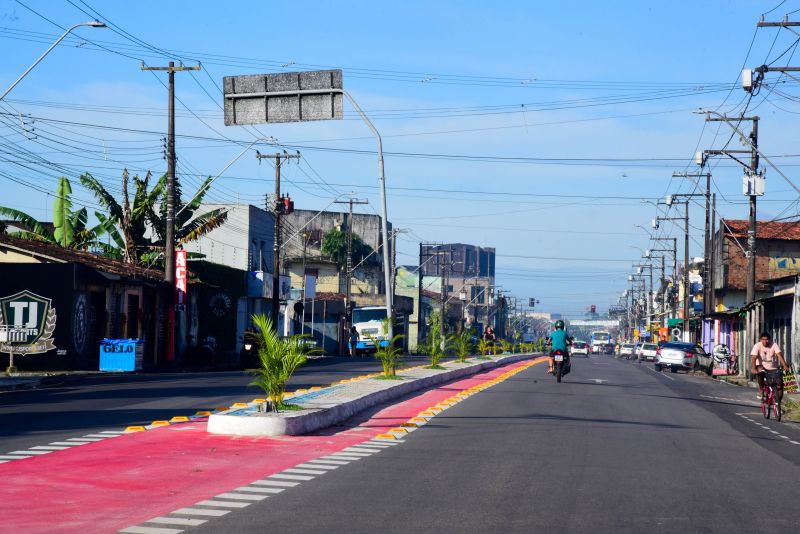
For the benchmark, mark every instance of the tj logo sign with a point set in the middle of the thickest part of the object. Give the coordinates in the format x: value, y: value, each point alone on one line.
x: 27, y: 324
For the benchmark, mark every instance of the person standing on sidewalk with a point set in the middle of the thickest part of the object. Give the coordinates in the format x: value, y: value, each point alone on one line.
x: 765, y: 358
x: 354, y: 341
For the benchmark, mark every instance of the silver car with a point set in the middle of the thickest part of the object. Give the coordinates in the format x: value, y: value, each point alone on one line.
x: 647, y: 352
x: 681, y: 355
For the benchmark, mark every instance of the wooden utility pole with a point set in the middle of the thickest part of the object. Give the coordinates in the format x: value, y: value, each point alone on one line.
x: 279, y: 157
x: 169, y: 238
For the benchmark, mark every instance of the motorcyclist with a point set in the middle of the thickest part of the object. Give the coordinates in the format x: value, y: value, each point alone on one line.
x: 558, y: 341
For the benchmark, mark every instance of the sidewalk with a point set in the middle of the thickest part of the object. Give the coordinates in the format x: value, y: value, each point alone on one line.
x: 11, y: 383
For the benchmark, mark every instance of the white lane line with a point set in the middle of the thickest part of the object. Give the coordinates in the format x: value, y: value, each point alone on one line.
x: 29, y: 452
x: 774, y: 432
x: 329, y: 462
x: 278, y: 483
x: 260, y: 489
x: 793, y: 442
x: 659, y: 373
x: 304, y: 471
x: 182, y: 521
x: 281, y: 476
x: 784, y: 437
x: 200, y: 511
x: 316, y: 466
x: 223, y: 504
x: 151, y: 530
x: 49, y: 448
x: 68, y: 443
x: 241, y: 496
x: 10, y: 457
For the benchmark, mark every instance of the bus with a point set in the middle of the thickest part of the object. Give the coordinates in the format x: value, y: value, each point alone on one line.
x: 599, y: 339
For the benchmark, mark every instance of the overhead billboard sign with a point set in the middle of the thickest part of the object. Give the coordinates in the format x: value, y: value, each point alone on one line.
x: 283, y: 97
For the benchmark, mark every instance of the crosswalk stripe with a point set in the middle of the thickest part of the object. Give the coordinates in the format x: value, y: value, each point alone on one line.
x: 259, y: 489
x: 241, y: 496
x: 50, y: 448
x: 329, y: 462
x: 279, y: 483
x: 374, y: 445
x: 200, y: 511
x: 150, y: 530
x: 359, y: 450
x: 183, y: 521
x: 67, y: 443
x: 112, y: 432
x: 223, y: 504
x: 291, y: 477
x: 101, y: 436
x: 30, y: 452
x: 305, y: 471
x: 316, y: 466
x: 339, y: 456
x: 360, y: 454
x: 85, y: 440
x: 10, y: 457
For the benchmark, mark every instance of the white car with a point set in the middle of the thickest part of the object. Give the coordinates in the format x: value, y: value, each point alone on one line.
x: 580, y: 347
x: 686, y: 356
x: 647, y: 352
x: 626, y: 350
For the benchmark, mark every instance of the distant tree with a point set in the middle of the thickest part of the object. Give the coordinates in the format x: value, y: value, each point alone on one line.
x: 334, y: 245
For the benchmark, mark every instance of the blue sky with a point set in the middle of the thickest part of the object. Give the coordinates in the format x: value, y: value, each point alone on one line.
x: 534, y: 127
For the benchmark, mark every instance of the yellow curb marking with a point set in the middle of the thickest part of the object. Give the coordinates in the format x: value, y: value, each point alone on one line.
x: 386, y: 436
x: 203, y: 412
x: 159, y: 423
x: 135, y: 429
x: 179, y: 419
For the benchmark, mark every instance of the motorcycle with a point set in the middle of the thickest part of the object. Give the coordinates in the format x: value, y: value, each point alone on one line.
x: 562, y: 364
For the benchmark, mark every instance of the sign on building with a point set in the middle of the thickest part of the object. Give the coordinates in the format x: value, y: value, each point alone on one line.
x: 283, y: 97
x: 27, y: 324
x: 180, y: 280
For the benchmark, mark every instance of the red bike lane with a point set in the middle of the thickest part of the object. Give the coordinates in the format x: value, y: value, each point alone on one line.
x: 111, y: 484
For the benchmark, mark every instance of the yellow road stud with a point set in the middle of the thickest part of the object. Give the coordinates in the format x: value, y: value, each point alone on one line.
x: 409, y: 425
x: 179, y: 419
x: 386, y: 436
x: 418, y: 420
x: 136, y: 428
x: 203, y: 412
x: 398, y: 430
x: 159, y: 423
x: 239, y: 405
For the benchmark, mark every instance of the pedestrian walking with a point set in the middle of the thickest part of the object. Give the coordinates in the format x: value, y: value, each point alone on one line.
x: 353, y: 341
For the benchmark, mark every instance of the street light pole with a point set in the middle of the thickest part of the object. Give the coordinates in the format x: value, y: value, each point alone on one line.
x: 92, y: 23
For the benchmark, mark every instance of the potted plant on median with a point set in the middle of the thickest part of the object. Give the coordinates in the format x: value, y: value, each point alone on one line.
x: 278, y: 358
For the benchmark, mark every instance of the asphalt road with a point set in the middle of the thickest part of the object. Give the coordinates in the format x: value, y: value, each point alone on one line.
x: 615, y: 448
x: 74, y: 405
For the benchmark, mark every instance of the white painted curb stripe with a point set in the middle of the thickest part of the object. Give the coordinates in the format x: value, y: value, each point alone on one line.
x: 291, y: 477
x: 183, y: 521
x: 9, y: 457
x: 29, y: 452
x: 328, y: 462
x: 223, y: 504
x: 304, y: 471
x: 316, y: 466
x: 150, y: 530
x: 359, y: 450
x: 68, y: 443
x: 241, y: 496
x: 200, y: 511
x: 49, y: 448
x: 259, y: 489
x: 281, y: 483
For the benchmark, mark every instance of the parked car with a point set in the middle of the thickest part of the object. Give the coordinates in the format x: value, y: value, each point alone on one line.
x: 626, y: 350
x: 682, y: 355
x: 580, y: 347
x: 647, y: 352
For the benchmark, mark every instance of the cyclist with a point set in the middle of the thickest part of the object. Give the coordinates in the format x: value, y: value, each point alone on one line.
x: 765, y: 358
x: 558, y: 341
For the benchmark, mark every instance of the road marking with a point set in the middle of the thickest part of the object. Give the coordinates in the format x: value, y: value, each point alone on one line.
x: 183, y: 521
x: 304, y: 471
x: 85, y: 440
x: 280, y: 483
x: 331, y: 462
x: 241, y: 496
x: 49, y: 448
x: 29, y: 452
x: 150, y: 530
x: 66, y: 443
x: 660, y: 373
x: 260, y: 489
x: 316, y: 466
x: 223, y: 504
x: 377, y: 445
x: 358, y: 450
x: 10, y: 457
x: 291, y: 477
x: 356, y: 454
x: 793, y: 442
x: 101, y: 436
x: 112, y: 432
x: 200, y: 511
x: 340, y: 457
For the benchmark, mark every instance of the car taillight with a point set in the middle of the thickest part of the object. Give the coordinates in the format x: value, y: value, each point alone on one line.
x: 688, y: 355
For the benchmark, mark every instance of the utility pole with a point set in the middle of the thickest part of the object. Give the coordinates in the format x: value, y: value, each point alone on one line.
x: 707, y: 231
x: 349, y: 267
x: 752, y: 169
x: 686, y: 271
x: 169, y: 238
x: 713, y: 254
x: 280, y: 157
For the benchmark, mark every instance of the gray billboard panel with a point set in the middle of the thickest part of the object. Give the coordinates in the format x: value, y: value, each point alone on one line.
x: 283, y: 97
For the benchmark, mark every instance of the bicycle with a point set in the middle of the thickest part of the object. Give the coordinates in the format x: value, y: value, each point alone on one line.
x: 769, y: 400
